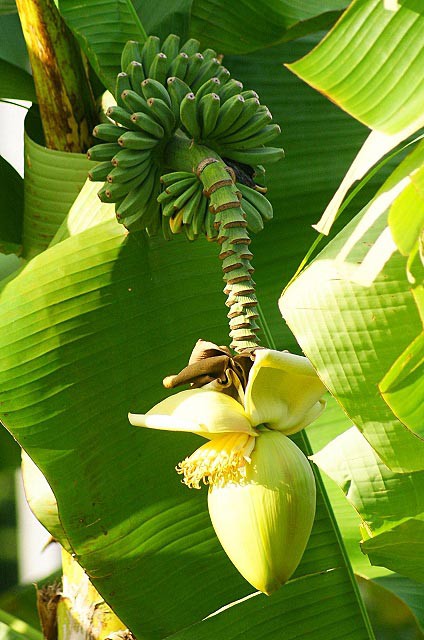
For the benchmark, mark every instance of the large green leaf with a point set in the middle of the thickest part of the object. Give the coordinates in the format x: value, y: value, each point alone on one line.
x: 411, y: 592
x: 12, y: 187
x: 99, y: 334
x: 162, y: 17
x: 353, y: 314
x: 246, y: 26
x: 390, y: 504
x: 102, y: 28
x: 52, y: 182
x: 369, y: 65
x: 12, y: 42
x: 16, y: 82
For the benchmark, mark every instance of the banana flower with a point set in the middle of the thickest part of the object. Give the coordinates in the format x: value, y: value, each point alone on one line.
x: 261, y: 488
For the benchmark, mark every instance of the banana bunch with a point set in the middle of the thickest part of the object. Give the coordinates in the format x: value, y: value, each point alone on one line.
x: 182, y: 152
x: 165, y: 92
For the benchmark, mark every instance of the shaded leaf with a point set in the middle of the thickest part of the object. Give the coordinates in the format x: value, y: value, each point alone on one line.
x: 341, y: 309
x: 16, y: 83
x: 12, y: 42
x: 102, y: 28
x: 162, y: 17
x: 246, y: 26
x: 411, y: 592
x: 12, y: 187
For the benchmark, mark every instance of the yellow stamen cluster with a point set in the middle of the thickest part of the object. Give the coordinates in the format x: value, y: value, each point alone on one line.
x: 222, y: 459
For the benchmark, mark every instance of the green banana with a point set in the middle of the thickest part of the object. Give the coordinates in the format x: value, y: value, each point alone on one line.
x: 181, y: 200
x: 209, y: 54
x: 171, y: 46
x: 121, y: 115
x: 257, y: 200
x: 188, y: 115
x: 263, y: 136
x: 191, y: 206
x: 150, y: 49
x: 254, y: 156
x: 153, y: 89
x: 253, y: 217
x: 211, y: 85
x: 135, y: 201
x: 99, y: 172
x: 223, y: 74
x: 177, y: 89
x: 163, y: 114
x: 179, y: 65
x: 256, y: 123
x: 107, y: 132
x: 206, y: 71
x: 191, y: 46
x: 249, y: 93
x: 116, y: 190
x: 159, y: 67
x: 249, y: 110
x: 123, y: 174
x: 101, y: 152
x: 177, y: 188
x: 175, y: 176
x: 136, y: 74
x: 134, y: 102
x: 129, y: 157
x: 194, y: 63
x: 198, y: 221
x: 230, y: 89
x: 228, y: 114
x: 130, y: 52
x: 137, y: 140
x: 123, y: 83
x: 208, y: 110
x: 148, y: 125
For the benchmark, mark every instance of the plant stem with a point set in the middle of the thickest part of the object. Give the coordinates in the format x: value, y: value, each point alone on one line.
x: 226, y: 206
x: 64, y: 93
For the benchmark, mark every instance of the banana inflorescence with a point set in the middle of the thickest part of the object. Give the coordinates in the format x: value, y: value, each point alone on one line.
x: 183, y: 151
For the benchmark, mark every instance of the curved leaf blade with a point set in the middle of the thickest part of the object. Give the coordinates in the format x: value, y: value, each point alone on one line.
x: 12, y: 187
x: 374, y: 74
x: 102, y: 28
x: 16, y: 83
x: 341, y: 310
x: 247, y: 26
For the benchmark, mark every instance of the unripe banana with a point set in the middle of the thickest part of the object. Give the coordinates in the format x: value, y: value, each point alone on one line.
x: 114, y: 191
x: 257, y: 200
x: 150, y: 49
x: 230, y: 89
x: 181, y: 200
x: 171, y: 46
x: 100, y: 172
x: 159, y: 67
x: 253, y: 126
x: 121, y: 115
x: 206, y: 71
x: 179, y: 187
x: 177, y: 89
x: 137, y: 140
x: 153, y: 89
x: 107, y: 132
x: 123, y: 83
x: 209, y: 107
x: 136, y: 74
x: 134, y: 102
x: 253, y: 217
x: 194, y: 63
x: 162, y: 114
x: 210, y: 86
x: 223, y: 74
x: 134, y: 204
x: 121, y: 174
x: 191, y: 46
x: 255, y: 156
x: 228, y: 114
x: 129, y: 157
x: 179, y: 66
x: 188, y: 115
x: 130, y: 52
x: 175, y: 176
x: 101, y: 152
x: 148, y: 125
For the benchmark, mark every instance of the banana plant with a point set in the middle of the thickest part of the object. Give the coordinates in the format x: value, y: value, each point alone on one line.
x: 145, y: 188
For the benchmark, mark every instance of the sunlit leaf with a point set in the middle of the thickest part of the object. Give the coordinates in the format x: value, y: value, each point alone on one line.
x: 341, y: 309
